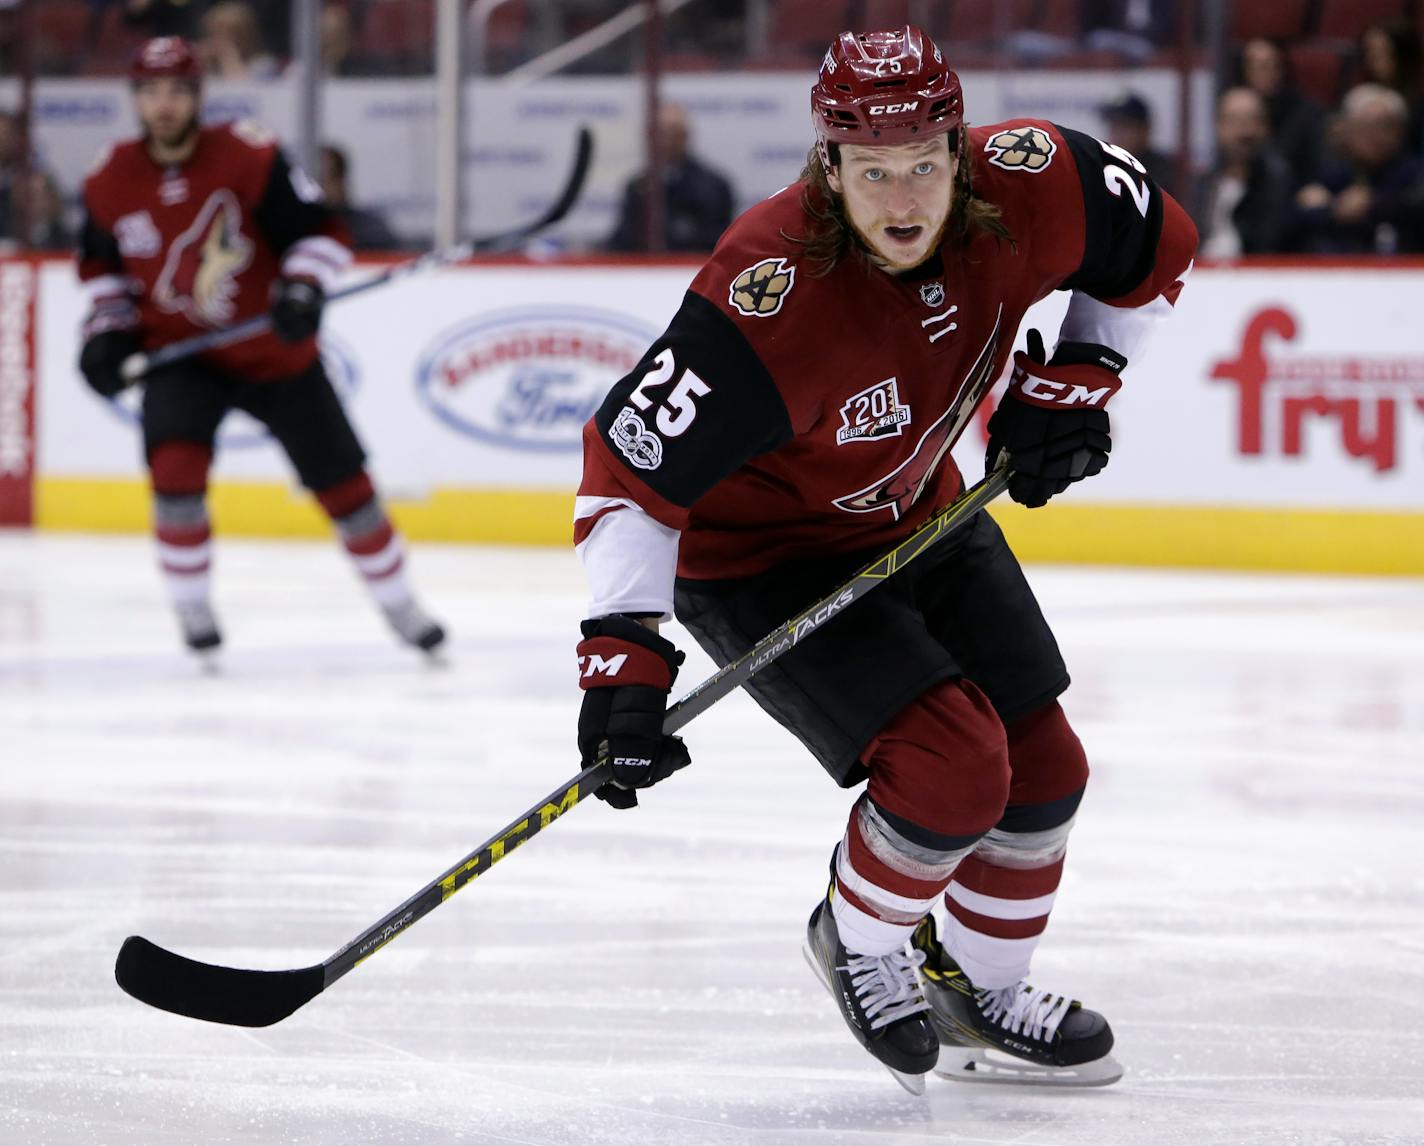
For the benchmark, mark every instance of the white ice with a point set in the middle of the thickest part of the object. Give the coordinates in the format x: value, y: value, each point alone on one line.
x: 1244, y: 897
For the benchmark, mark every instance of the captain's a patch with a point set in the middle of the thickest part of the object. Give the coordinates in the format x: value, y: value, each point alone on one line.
x: 1021, y: 149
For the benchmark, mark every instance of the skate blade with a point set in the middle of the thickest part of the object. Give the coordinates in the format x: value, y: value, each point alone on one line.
x: 976, y: 1064
x: 914, y: 1083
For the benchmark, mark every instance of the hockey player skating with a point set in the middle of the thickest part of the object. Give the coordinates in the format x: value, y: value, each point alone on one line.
x: 190, y: 228
x: 794, y: 420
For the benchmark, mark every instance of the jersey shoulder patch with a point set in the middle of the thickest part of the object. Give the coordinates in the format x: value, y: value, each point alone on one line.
x: 252, y: 133
x: 1025, y: 148
x: 760, y: 289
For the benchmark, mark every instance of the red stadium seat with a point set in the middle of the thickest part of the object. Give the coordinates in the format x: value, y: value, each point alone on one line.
x: 115, y: 45
x: 1346, y: 19
x: 1278, y: 20
x: 1317, y: 69
x: 810, y: 24
x: 61, y: 36
x: 985, y: 21
x: 882, y: 15
x: 1061, y: 18
x: 399, y: 35
x: 691, y: 62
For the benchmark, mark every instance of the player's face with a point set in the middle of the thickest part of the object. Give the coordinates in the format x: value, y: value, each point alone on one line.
x: 167, y: 108
x: 897, y: 198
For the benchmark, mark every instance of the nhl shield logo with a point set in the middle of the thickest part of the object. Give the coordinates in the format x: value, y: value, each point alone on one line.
x: 759, y: 291
x: 932, y: 294
x: 1021, y: 149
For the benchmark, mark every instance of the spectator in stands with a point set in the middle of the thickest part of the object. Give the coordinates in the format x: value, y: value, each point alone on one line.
x: 697, y: 201
x: 1131, y: 28
x: 1369, y: 200
x: 38, y: 201
x: 1297, y: 124
x: 369, y: 232
x: 11, y: 169
x: 1128, y: 121
x: 1393, y: 55
x: 1242, y: 204
x: 337, y: 40
x: 231, y: 43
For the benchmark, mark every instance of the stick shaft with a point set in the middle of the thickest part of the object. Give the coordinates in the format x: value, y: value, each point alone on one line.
x: 714, y: 688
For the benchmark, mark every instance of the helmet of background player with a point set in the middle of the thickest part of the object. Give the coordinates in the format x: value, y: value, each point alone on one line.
x: 880, y: 88
x: 166, y: 56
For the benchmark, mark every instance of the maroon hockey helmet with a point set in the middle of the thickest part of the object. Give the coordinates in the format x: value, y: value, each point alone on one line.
x: 884, y: 88
x: 164, y: 56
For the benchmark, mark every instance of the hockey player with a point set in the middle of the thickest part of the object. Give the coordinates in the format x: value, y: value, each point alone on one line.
x: 794, y: 421
x: 190, y: 228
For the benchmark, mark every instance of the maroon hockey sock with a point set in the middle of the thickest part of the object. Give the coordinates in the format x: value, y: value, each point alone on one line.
x: 369, y: 537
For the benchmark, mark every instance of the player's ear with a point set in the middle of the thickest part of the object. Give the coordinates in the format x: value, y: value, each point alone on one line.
x: 833, y: 180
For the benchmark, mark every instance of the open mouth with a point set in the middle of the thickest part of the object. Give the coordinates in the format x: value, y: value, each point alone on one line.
x: 904, y: 234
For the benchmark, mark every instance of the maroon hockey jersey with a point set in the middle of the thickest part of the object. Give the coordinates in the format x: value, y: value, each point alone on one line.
x: 783, y: 415
x: 178, y: 251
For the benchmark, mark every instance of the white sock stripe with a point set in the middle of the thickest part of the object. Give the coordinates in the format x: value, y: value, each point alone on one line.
x: 875, y: 895
x: 864, y: 934
x: 184, y: 588
x: 987, y: 960
x: 996, y: 908
x: 177, y: 557
x: 382, y: 562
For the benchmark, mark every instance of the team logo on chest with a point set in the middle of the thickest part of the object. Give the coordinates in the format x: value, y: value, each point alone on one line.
x: 199, y: 277
x: 1021, y: 149
x: 759, y: 291
x: 932, y: 294
x: 874, y: 413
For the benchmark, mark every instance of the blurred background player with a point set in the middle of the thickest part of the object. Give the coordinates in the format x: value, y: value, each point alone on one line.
x: 793, y: 422
x: 190, y: 228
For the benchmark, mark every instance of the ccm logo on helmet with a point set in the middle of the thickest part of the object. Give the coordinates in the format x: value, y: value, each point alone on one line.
x: 893, y: 108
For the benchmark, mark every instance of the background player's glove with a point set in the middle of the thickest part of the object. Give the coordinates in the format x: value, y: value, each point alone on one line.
x: 102, y: 357
x: 626, y: 671
x: 296, y: 308
x: 1051, y: 421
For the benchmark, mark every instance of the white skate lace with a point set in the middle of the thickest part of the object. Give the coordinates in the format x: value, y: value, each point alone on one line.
x: 887, y: 985
x: 1022, y: 1009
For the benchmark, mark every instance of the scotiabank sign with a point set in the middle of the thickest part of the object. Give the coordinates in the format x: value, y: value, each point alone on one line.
x: 1364, y: 400
x: 17, y: 404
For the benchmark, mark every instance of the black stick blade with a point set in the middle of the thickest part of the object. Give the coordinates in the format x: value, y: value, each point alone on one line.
x: 217, y: 994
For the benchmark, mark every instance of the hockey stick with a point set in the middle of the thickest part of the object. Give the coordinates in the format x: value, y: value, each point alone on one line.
x: 244, y: 998
x: 137, y: 365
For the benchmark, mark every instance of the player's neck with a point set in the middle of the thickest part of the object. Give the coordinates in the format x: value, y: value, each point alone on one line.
x: 174, y: 154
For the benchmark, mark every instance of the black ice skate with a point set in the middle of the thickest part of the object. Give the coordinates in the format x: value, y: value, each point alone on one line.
x: 1015, y: 1034
x: 880, y: 999
x: 415, y: 626
x: 200, y: 627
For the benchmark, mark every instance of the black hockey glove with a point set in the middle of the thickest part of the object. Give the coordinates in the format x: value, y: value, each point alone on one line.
x: 1051, y: 421
x: 103, y: 356
x: 626, y: 671
x: 296, y: 308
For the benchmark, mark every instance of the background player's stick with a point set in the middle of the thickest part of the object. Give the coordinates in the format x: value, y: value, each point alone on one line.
x: 184, y: 986
x: 137, y: 365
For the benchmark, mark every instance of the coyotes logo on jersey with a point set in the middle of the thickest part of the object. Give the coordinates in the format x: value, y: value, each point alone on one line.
x: 900, y: 489
x: 199, y: 277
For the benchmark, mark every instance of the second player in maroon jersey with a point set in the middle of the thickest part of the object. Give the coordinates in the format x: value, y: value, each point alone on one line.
x: 794, y: 421
x: 191, y: 228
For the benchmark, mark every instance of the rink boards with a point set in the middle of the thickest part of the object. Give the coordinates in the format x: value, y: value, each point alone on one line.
x: 1276, y: 422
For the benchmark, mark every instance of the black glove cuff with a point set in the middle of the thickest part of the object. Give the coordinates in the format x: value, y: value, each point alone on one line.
x: 1088, y: 354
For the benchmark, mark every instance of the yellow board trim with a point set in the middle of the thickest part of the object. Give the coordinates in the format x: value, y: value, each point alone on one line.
x: 1316, y: 541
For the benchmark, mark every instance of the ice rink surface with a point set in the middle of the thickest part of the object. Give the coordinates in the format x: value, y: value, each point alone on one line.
x: 1244, y: 895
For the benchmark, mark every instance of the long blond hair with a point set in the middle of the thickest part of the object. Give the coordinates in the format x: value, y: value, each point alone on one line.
x: 830, y: 237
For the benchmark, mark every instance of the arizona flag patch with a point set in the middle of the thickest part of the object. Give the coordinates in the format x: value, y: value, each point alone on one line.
x: 1021, y: 149
x: 759, y: 291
